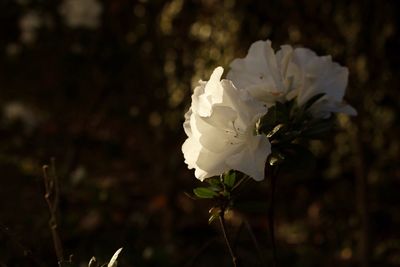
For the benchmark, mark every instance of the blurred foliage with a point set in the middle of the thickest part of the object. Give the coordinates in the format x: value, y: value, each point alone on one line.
x: 107, y: 99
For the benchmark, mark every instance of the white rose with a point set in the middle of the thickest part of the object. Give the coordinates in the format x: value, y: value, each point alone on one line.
x: 292, y: 73
x: 221, y: 129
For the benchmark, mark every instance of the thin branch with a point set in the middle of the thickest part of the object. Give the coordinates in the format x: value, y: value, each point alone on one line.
x: 51, y: 197
x: 237, y: 235
x: 228, y: 243
x: 255, y: 242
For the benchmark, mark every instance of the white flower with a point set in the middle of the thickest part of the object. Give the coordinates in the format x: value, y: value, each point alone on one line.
x: 221, y: 129
x: 81, y: 13
x: 292, y: 73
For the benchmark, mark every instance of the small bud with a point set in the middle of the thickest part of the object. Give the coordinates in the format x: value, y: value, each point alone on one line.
x: 92, y: 262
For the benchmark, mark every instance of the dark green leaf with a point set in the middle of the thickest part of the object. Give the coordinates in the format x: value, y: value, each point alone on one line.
x: 204, y: 192
x: 215, y: 188
x: 230, y: 179
x: 215, y: 181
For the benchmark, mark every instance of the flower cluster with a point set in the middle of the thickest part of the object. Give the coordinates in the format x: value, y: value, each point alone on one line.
x: 225, y: 124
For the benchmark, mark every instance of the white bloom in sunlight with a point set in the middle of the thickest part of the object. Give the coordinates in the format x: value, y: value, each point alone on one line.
x: 81, y: 13
x: 221, y: 129
x: 292, y: 73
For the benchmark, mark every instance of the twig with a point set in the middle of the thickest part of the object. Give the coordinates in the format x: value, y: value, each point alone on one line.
x: 254, y: 239
x: 52, y: 198
x: 228, y: 243
x: 237, y: 235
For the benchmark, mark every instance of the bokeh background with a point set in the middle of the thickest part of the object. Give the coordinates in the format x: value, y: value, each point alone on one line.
x: 102, y: 87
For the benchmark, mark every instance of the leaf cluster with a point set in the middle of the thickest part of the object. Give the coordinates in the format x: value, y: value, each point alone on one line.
x: 222, y: 189
x: 289, y: 126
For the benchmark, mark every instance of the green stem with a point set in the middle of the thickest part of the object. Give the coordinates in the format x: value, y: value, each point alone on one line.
x: 255, y: 242
x: 228, y: 243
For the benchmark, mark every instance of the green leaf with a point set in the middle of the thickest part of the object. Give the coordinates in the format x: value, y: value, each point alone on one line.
x: 230, y: 179
x: 215, y: 184
x: 204, y: 192
x: 215, y: 188
x: 214, y: 181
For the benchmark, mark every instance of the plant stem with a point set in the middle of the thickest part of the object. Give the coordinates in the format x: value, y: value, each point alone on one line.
x: 52, y: 198
x: 255, y: 242
x: 228, y: 243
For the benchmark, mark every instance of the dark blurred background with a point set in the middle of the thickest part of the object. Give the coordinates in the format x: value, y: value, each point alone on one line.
x: 102, y: 87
